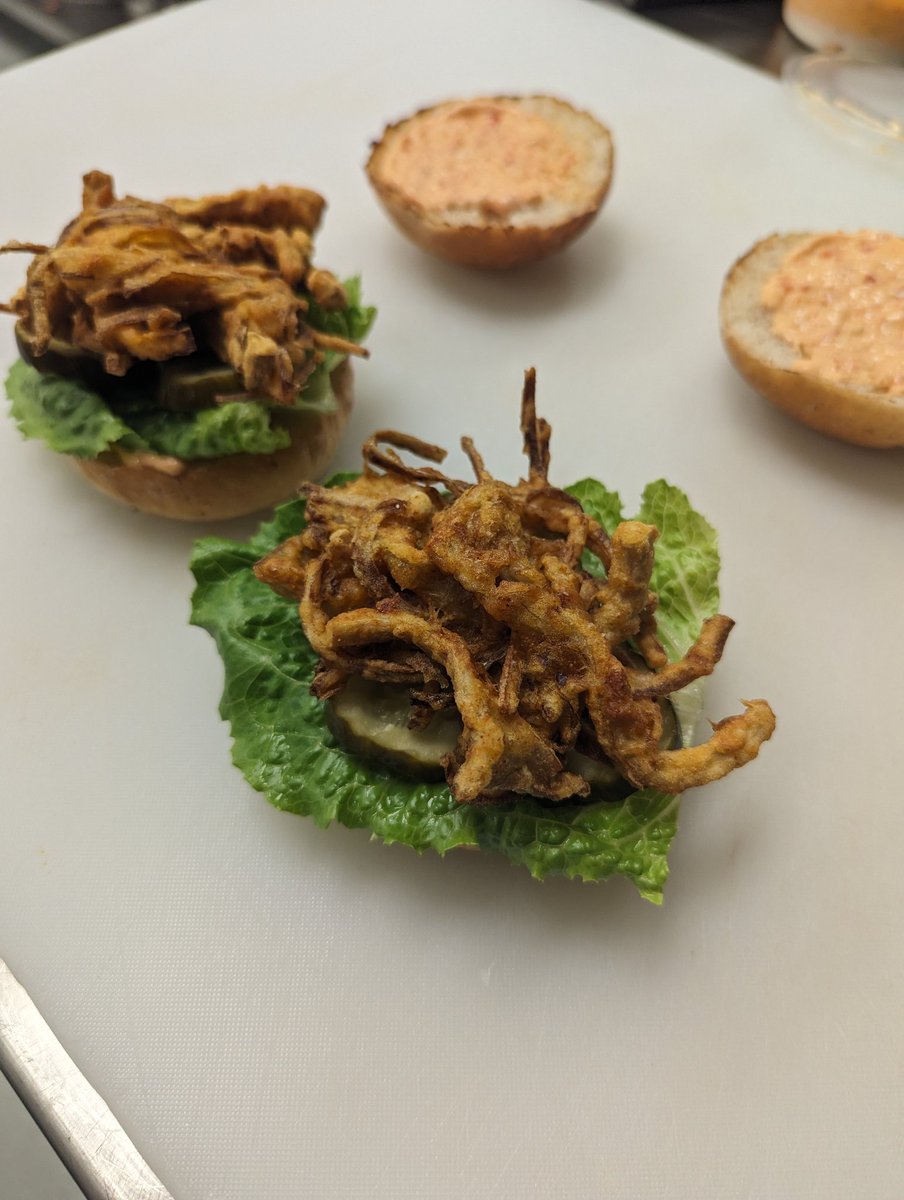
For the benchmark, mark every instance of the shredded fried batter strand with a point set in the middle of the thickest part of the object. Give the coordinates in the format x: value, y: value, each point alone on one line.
x: 473, y: 595
x: 129, y: 279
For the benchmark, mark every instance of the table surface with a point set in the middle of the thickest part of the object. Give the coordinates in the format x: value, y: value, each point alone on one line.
x: 750, y: 30
x: 274, y: 1010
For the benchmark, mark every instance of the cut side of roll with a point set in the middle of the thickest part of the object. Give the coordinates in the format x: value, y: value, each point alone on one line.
x: 218, y: 489
x: 772, y: 366
x: 493, y: 181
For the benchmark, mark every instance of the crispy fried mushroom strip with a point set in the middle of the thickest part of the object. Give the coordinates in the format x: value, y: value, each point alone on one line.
x: 480, y: 542
x: 496, y: 753
x: 132, y: 280
x: 535, y: 431
x: 280, y: 207
x: 699, y: 661
x: 389, y: 461
x: 622, y: 599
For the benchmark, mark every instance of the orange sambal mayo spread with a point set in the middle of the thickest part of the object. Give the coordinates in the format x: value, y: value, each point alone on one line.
x: 839, y: 300
x: 493, y: 154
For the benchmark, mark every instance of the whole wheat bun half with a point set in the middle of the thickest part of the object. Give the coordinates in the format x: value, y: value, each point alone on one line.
x: 217, y: 489
x: 493, y: 181
x: 766, y: 361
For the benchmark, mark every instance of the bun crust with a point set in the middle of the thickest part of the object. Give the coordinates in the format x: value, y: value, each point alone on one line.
x: 217, y: 489
x: 871, y: 32
x: 475, y: 234
x: 853, y: 414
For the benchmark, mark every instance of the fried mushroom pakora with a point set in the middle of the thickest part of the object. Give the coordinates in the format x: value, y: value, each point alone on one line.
x: 131, y: 280
x: 473, y: 596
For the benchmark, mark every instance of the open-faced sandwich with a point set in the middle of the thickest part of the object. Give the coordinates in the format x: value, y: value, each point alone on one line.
x: 476, y: 663
x: 187, y: 355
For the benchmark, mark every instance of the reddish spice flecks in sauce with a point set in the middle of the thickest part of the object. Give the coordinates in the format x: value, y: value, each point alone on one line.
x: 839, y: 300
x: 491, y: 154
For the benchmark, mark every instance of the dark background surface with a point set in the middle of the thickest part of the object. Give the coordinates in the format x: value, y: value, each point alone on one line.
x: 750, y: 30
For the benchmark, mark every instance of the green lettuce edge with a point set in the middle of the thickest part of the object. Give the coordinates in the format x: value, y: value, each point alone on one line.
x: 282, y: 746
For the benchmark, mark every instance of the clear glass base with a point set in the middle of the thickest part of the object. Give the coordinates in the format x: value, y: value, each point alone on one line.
x: 862, y: 101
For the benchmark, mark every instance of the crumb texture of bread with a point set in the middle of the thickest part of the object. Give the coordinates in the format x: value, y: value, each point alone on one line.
x: 771, y: 365
x: 493, y: 181
x: 235, y: 485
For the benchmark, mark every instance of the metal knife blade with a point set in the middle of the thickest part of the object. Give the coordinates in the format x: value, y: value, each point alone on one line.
x: 72, y: 1116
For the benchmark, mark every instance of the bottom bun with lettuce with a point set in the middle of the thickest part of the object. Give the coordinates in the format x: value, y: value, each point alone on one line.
x: 453, y: 663
x: 187, y: 356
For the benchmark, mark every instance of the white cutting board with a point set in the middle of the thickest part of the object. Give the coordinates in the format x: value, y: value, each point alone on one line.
x: 276, y: 1011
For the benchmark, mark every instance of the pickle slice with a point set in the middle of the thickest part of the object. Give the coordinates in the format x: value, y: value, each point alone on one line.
x: 196, y: 382
x: 180, y: 384
x: 605, y: 779
x: 60, y: 358
x: 370, y: 720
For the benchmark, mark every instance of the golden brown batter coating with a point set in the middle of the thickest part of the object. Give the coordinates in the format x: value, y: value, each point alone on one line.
x: 129, y: 279
x: 473, y: 595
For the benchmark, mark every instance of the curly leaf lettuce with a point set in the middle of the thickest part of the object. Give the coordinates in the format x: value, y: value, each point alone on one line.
x: 353, y: 322
x: 282, y: 745
x: 241, y: 425
x: 686, y: 568
x: 71, y: 418
x: 68, y: 416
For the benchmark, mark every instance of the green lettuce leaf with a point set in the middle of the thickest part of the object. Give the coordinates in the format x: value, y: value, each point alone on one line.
x: 353, y: 322
x: 317, y: 395
x: 239, y: 427
x: 282, y: 745
x: 73, y: 419
x: 686, y: 569
x: 69, y: 417
x: 686, y: 576
x: 604, y: 506
x: 685, y: 573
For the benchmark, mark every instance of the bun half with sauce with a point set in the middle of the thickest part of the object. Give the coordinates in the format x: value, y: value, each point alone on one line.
x: 493, y: 181
x: 813, y: 322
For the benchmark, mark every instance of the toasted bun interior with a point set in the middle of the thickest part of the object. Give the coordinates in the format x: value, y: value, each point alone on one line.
x: 493, y: 181
x: 852, y: 413
x: 220, y: 488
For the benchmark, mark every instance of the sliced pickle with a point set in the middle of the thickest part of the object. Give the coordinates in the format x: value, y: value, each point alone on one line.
x: 178, y: 385
x: 73, y: 362
x: 196, y: 382
x: 370, y: 720
x: 606, y: 782
x: 60, y: 358
x: 603, y: 776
